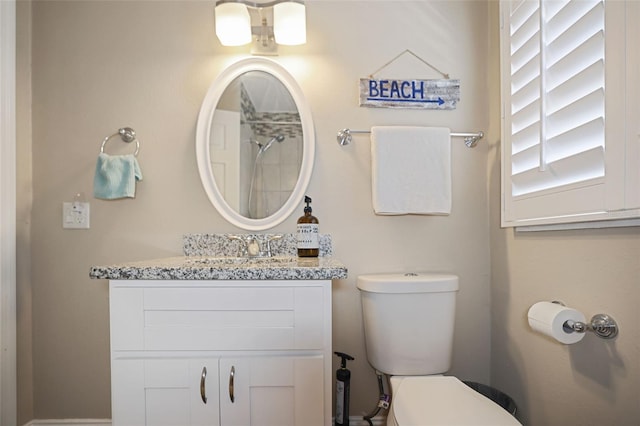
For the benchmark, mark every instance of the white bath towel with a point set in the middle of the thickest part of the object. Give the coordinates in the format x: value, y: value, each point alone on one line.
x: 411, y: 170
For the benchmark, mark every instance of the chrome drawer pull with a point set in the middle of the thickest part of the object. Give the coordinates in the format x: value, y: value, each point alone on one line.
x: 203, y: 390
x: 231, y: 376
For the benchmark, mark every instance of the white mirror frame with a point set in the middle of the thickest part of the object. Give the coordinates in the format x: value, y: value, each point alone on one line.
x: 203, y: 143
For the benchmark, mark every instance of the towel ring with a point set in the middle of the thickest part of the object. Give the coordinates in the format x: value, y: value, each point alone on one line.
x: 127, y: 134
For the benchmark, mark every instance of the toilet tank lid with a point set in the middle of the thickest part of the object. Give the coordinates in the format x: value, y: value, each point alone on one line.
x: 418, y: 282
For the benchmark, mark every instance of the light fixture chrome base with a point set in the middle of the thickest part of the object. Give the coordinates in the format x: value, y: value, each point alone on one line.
x: 264, y: 41
x: 264, y: 47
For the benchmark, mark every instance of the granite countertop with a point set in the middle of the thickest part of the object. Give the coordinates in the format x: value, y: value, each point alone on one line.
x: 214, y: 257
x: 219, y: 268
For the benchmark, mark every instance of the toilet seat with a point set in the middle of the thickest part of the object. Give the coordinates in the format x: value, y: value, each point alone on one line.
x: 443, y: 400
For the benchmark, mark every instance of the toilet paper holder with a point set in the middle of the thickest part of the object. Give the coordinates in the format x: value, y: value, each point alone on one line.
x: 602, y: 325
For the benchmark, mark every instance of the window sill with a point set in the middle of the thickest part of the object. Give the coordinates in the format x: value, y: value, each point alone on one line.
x: 618, y: 223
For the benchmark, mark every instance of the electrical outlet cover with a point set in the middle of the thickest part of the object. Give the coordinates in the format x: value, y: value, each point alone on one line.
x: 75, y: 215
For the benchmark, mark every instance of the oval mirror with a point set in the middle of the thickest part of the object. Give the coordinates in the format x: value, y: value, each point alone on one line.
x: 255, y: 144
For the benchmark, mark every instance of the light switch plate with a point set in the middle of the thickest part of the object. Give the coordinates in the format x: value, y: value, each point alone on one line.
x: 75, y: 215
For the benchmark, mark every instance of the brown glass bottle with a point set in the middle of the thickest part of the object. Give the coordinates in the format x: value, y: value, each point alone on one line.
x: 307, y: 233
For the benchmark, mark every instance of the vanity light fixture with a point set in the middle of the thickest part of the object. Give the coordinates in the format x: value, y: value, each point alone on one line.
x: 265, y: 24
x: 290, y: 23
x: 233, y: 24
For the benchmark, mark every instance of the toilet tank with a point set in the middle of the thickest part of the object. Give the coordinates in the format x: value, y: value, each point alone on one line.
x: 408, y: 321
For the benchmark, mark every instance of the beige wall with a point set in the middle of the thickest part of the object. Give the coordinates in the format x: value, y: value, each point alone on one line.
x: 594, y: 382
x: 101, y: 65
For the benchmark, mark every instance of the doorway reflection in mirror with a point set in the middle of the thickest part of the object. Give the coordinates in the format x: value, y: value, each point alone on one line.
x: 271, y: 152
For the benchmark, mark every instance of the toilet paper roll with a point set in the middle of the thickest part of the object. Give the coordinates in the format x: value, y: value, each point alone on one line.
x: 548, y: 318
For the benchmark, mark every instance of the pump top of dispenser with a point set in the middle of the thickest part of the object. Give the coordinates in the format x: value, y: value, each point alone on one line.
x: 307, y: 200
x: 344, y: 357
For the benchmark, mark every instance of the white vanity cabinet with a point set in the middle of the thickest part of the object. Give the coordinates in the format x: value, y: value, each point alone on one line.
x: 221, y: 352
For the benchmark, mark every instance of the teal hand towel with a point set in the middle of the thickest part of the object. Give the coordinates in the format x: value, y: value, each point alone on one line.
x: 116, y: 176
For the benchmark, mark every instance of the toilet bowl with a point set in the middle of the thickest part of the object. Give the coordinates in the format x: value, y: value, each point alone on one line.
x: 408, y: 324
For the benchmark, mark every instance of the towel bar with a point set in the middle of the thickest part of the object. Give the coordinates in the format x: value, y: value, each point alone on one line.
x: 470, y: 139
x: 127, y: 134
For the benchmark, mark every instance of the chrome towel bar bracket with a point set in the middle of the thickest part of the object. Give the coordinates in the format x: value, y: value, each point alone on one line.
x: 470, y: 139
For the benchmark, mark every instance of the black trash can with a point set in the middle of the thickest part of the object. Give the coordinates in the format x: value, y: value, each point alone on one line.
x: 500, y: 398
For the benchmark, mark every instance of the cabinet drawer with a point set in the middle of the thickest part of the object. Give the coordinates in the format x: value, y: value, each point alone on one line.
x: 217, y: 318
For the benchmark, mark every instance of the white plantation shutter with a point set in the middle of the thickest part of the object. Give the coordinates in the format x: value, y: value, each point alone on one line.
x: 556, y: 92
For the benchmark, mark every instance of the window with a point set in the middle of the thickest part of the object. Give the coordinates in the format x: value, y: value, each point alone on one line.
x: 570, y: 111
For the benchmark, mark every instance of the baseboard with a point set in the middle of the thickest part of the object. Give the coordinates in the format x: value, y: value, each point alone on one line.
x: 69, y: 422
x: 353, y: 421
x: 359, y: 421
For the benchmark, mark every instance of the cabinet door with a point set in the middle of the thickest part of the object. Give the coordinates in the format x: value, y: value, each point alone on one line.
x: 165, y: 392
x: 272, y: 391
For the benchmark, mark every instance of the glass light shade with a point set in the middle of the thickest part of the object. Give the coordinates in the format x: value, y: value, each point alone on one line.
x: 289, y: 23
x: 233, y: 24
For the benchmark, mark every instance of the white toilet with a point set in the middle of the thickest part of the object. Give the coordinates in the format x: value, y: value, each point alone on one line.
x: 408, y: 325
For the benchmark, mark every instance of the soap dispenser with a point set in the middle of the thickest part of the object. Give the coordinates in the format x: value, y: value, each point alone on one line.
x: 307, y: 233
